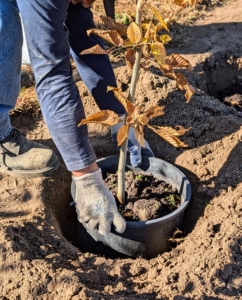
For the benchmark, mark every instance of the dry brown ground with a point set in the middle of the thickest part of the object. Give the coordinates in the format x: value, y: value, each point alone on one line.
x: 38, y: 257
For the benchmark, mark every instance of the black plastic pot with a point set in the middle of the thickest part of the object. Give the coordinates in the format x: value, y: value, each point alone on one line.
x: 147, y: 239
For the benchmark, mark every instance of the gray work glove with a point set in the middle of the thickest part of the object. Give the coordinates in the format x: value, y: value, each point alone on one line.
x: 134, y: 148
x: 95, y: 204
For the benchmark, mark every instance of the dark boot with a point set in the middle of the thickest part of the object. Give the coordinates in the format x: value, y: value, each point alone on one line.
x: 26, y: 79
x: 24, y: 158
x: 76, y: 75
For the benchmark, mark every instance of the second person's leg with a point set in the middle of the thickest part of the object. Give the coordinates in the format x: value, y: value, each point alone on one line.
x: 97, y: 73
x: 95, y: 70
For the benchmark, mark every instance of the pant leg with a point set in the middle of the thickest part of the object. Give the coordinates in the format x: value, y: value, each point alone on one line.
x: 96, y: 70
x: 48, y: 45
x: 109, y: 6
x: 10, y: 61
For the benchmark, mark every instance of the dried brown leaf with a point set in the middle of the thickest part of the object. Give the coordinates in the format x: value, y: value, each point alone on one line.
x: 150, y: 113
x: 154, y: 111
x: 146, y: 64
x: 122, y: 32
x: 146, y: 51
x: 158, y: 27
x: 168, y: 71
x: 133, y: 118
x: 169, y: 130
x: 169, y: 134
x: 159, y: 18
x: 181, y: 81
x: 129, y: 56
x: 143, y: 119
x: 139, y: 135
x: 185, y: 3
x: 146, y: 27
x: 189, y: 93
x: 183, y: 85
x: 128, y: 43
x: 165, y: 38
x: 150, y: 33
x: 133, y: 33
x: 137, y: 111
x: 177, y: 61
x: 182, y: 3
x: 109, y: 22
x: 128, y: 106
x: 104, y: 117
x: 94, y: 50
x: 130, y: 120
x: 181, y: 130
x: 159, y: 52
x: 193, y: 2
x: 111, y: 36
x: 122, y: 134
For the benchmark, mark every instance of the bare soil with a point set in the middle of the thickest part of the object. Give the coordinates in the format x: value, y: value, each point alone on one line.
x: 39, y: 258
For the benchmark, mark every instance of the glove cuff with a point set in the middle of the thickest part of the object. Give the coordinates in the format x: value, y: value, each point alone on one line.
x: 93, y: 175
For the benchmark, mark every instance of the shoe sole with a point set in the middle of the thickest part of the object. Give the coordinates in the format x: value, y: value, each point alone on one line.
x: 30, y: 174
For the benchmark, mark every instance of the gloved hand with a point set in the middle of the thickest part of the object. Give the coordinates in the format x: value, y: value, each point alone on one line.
x: 95, y: 204
x: 134, y: 148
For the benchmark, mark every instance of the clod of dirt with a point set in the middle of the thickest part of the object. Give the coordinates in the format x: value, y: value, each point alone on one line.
x: 147, y: 209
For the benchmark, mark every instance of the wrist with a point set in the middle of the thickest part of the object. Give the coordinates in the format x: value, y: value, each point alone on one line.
x: 89, y: 169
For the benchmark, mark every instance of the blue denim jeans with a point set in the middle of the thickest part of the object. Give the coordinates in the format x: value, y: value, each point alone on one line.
x: 53, y: 29
x: 10, y: 62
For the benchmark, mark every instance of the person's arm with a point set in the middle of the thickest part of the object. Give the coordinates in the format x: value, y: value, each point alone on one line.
x: 109, y: 7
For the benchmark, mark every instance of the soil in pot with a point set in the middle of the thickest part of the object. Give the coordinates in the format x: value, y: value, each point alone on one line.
x: 147, y: 197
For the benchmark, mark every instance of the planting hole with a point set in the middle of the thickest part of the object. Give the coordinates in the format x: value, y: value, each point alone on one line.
x: 222, y: 78
x: 148, y: 238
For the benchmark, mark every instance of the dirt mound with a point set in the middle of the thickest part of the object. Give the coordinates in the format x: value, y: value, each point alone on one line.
x: 38, y: 229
